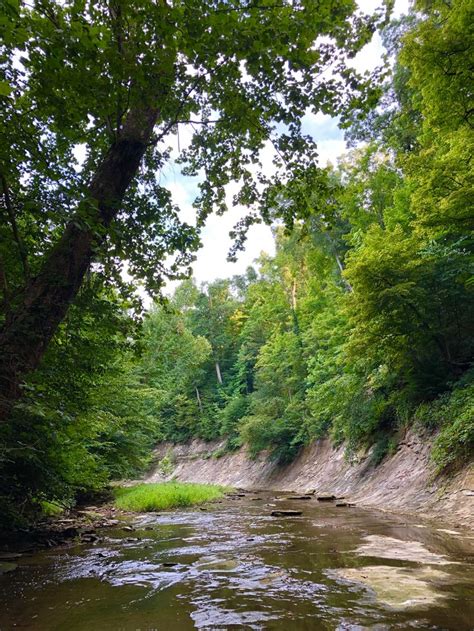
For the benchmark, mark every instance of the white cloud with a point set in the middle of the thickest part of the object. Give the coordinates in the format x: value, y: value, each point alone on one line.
x: 212, y: 259
x: 401, y: 7
x: 371, y: 55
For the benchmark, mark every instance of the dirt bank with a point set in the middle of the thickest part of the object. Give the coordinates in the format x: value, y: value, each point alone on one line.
x: 403, y: 482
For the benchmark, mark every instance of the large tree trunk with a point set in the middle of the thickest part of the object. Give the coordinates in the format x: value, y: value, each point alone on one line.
x: 25, y: 337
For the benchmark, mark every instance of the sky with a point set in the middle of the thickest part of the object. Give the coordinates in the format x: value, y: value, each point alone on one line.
x: 211, y: 262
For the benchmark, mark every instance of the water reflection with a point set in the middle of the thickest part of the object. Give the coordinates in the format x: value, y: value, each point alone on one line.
x: 235, y: 566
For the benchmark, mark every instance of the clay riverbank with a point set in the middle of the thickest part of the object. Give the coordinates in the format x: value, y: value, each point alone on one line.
x: 402, y: 482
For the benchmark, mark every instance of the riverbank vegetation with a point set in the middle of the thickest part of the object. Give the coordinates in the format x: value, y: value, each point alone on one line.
x: 360, y: 326
x: 145, y: 498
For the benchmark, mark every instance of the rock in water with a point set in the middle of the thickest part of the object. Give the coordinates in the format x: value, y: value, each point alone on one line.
x: 286, y: 513
x: 298, y: 497
x: 326, y: 498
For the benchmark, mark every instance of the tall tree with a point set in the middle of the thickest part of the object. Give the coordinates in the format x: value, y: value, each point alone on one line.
x: 115, y: 78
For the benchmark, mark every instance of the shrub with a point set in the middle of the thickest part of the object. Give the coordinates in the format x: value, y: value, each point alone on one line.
x: 454, y: 445
x: 166, y: 465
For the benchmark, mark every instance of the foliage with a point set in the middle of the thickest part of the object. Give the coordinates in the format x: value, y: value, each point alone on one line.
x: 163, y: 496
x: 386, y: 445
x: 454, y: 414
x: 362, y: 322
x: 85, y: 417
x: 365, y: 315
x: 166, y: 465
x: 234, y: 78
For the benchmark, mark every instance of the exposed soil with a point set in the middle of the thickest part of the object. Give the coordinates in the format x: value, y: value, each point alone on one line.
x: 403, y: 482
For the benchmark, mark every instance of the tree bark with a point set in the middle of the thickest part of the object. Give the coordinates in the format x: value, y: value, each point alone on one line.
x: 46, y: 298
x: 198, y: 396
x: 296, y: 324
x: 218, y: 373
x: 14, y: 227
x: 339, y: 263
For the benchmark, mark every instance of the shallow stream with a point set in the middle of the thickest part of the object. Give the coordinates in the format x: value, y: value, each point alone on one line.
x: 232, y: 565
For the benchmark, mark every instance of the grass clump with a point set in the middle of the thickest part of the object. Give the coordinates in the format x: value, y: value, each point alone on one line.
x: 51, y: 509
x: 143, y: 498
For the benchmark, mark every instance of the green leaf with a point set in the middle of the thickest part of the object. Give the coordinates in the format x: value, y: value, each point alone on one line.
x: 5, y: 88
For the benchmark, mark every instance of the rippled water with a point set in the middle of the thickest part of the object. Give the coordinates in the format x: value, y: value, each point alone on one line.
x: 233, y: 566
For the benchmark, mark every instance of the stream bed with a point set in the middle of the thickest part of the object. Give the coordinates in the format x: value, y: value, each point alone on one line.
x: 232, y: 565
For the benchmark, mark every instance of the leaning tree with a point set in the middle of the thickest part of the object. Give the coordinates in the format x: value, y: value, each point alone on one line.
x: 109, y: 81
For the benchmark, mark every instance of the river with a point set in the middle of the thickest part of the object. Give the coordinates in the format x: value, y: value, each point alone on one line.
x: 231, y: 565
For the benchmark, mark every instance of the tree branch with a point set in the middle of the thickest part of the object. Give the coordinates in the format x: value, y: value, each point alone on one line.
x: 14, y: 227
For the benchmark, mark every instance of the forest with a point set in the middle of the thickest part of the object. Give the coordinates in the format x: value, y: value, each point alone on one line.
x: 358, y: 328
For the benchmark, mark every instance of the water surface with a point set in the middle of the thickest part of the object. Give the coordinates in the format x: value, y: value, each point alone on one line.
x: 234, y: 566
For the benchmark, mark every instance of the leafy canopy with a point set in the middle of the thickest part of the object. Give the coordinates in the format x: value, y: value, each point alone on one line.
x: 236, y: 74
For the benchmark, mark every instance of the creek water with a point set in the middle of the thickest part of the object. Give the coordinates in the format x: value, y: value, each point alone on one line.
x: 234, y: 566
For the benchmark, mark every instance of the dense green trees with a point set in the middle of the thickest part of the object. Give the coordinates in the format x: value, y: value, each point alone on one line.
x: 91, y: 95
x: 115, y: 79
x: 361, y: 324
x: 84, y: 417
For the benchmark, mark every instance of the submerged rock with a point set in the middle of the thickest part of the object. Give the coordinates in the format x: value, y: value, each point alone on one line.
x: 396, y: 587
x: 271, y: 578
x: 7, y: 567
x: 222, y: 565
x: 89, y: 538
x: 286, y: 513
x: 8, y: 556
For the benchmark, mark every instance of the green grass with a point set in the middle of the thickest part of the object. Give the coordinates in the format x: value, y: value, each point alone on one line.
x: 50, y: 509
x: 151, y: 497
